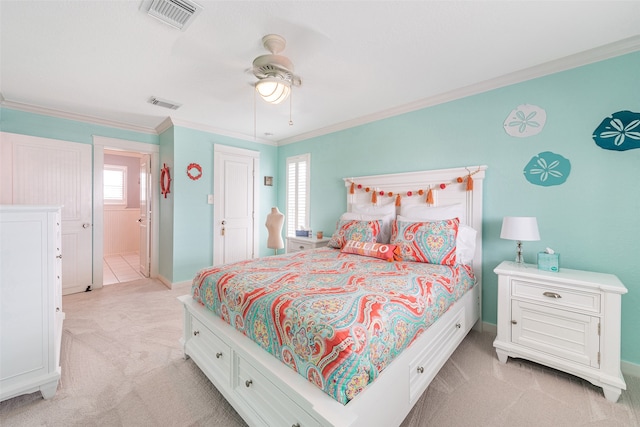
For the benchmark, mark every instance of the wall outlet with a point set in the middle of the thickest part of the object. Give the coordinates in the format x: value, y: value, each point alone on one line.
x: 210, y: 199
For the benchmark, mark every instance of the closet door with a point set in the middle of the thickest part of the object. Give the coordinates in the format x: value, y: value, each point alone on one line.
x: 43, y: 171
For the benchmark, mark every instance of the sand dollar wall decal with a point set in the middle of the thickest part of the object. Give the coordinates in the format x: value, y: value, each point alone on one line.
x: 525, y: 120
x: 619, y: 132
x: 547, y: 169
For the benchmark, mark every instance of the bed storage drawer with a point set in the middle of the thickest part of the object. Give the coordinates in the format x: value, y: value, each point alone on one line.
x: 557, y: 295
x: 270, y: 403
x: 424, y: 367
x: 211, y: 347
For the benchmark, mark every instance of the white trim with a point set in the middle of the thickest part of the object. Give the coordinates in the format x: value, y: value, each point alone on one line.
x: 29, y: 108
x: 222, y: 132
x: 100, y: 143
x: 586, y: 57
x: 629, y: 368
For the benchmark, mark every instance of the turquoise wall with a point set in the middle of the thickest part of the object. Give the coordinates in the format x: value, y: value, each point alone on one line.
x: 591, y: 220
x: 192, y: 216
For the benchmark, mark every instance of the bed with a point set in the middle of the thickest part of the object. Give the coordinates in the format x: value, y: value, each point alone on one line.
x: 333, y: 378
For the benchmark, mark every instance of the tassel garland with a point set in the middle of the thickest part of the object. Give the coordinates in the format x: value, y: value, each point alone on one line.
x: 353, y: 188
x: 398, y: 200
x: 469, y: 183
x: 374, y: 197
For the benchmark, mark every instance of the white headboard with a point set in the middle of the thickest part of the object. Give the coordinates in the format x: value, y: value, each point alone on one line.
x: 454, y: 192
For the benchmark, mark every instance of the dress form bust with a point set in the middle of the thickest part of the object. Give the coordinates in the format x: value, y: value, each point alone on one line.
x: 274, y: 223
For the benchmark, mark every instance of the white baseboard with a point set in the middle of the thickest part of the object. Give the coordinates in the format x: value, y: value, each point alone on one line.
x: 172, y: 285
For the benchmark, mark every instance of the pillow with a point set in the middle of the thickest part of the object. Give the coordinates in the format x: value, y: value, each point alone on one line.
x: 465, y: 243
x: 368, y: 211
x: 376, y: 250
x: 361, y: 231
x: 432, y: 213
x: 385, y: 225
x: 433, y: 242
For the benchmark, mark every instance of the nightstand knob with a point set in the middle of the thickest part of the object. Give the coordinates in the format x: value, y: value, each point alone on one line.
x: 420, y: 369
x: 248, y: 383
x: 514, y: 322
x: 552, y: 295
x: 196, y: 333
x: 218, y: 355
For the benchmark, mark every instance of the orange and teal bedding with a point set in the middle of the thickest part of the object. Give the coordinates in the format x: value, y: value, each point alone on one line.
x: 337, y: 319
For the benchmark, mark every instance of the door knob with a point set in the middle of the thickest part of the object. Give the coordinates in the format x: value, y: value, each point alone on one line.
x: 139, y: 219
x: 86, y: 225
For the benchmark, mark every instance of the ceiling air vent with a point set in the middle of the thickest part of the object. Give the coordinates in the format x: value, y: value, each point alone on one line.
x: 164, y: 103
x: 177, y: 13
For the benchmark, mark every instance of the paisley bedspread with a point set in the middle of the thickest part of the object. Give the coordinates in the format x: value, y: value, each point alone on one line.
x: 337, y: 319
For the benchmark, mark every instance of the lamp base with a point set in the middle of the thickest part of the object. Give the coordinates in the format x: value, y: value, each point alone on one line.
x: 519, y: 257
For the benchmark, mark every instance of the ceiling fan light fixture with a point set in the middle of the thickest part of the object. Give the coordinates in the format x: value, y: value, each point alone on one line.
x: 273, y: 89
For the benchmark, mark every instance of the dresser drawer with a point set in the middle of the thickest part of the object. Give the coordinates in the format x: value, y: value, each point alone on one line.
x: 422, y: 369
x: 212, y: 348
x: 557, y: 296
x: 269, y: 403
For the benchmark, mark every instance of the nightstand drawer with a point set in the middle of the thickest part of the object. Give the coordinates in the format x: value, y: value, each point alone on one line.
x: 297, y: 245
x: 557, y: 295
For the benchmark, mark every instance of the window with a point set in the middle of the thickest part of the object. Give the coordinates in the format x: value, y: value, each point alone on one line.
x: 297, y: 193
x: 115, y: 188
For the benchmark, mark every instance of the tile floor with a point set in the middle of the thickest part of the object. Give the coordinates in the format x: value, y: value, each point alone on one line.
x: 121, y: 268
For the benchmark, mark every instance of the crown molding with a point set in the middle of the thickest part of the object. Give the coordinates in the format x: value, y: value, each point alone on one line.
x: 222, y: 132
x: 608, y: 51
x: 73, y: 116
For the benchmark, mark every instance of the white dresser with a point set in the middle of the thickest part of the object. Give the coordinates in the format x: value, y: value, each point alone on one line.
x: 30, y: 300
x: 568, y: 320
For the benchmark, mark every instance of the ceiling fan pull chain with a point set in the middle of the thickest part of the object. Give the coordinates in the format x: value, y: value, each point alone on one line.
x: 290, y: 102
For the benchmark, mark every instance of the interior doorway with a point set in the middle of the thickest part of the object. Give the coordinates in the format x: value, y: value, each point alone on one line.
x: 126, y: 233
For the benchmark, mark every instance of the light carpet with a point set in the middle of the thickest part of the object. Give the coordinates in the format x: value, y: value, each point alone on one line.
x: 122, y: 366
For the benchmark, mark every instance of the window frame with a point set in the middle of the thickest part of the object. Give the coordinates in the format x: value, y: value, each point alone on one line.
x: 115, y: 202
x: 293, y: 213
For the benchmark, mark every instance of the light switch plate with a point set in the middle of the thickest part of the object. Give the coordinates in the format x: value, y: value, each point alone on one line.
x: 210, y: 199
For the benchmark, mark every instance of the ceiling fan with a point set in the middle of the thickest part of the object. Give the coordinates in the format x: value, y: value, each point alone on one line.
x: 274, y: 71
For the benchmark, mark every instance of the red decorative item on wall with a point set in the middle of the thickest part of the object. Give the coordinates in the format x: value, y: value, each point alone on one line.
x: 194, y: 171
x: 165, y: 180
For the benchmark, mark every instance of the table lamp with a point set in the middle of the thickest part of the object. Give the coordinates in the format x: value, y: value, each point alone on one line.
x: 519, y: 228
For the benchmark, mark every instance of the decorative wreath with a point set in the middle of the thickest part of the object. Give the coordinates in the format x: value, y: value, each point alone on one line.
x: 165, y: 180
x: 194, y: 171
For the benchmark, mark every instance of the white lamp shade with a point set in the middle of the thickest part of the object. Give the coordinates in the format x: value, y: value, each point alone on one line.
x: 273, y: 90
x: 522, y: 228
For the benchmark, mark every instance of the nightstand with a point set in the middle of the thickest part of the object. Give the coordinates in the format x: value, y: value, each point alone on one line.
x: 568, y: 320
x: 297, y: 244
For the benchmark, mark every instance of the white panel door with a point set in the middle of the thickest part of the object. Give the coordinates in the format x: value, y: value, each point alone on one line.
x: 234, y: 226
x: 145, y: 218
x: 44, y: 171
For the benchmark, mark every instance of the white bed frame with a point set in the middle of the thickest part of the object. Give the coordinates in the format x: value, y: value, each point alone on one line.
x: 265, y: 392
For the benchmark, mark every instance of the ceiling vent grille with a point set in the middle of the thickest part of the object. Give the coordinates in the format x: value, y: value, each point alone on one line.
x: 164, y: 103
x: 177, y: 13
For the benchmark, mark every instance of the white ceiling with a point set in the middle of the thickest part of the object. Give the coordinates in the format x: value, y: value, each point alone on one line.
x: 359, y: 60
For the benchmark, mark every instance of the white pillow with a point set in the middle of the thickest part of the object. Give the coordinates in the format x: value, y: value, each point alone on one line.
x: 370, y: 212
x: 465, y: 242
x: 432, y: 213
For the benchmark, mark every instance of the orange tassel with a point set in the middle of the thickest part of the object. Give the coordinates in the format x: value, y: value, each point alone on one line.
x: 353, y: 188
x: 374, y: 197
x: 398, y: 198
x: 469, y: 183
x: 430, y: 197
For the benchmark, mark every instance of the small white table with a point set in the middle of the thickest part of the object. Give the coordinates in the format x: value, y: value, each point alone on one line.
x: 568, y: 320
x: 297, y: 244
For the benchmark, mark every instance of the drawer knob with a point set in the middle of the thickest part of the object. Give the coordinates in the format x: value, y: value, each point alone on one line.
x: 458, y: 325
x: 514, y: 322
x: 218, y: 355
x: 420, y: 369
x: 196, y: 333
x: 301, y: 247
x: 248, y: 383
x: 295, y: 425
x: 552, y: 295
